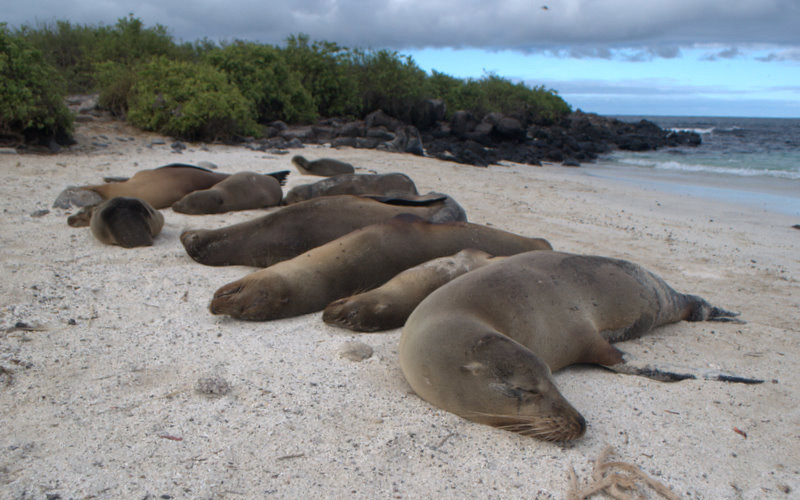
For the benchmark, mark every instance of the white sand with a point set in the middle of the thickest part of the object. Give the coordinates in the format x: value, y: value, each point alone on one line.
x: 107, y: 407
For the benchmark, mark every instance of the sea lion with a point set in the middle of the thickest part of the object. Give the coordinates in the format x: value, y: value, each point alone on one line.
x: 241, y: 191
x: 163, y: 186
x: 352, y: 184
x: 127, y: 222
x: 358, y: 261
x: 324, y: 167
x: 297, y: 228
x: 389, y: 305
x: 484, y: 345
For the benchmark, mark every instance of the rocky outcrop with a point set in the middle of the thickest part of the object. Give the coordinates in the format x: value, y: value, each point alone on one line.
x: 466, y: 138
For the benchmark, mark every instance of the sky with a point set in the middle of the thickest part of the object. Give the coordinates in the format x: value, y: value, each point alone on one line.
x: 614, y: 57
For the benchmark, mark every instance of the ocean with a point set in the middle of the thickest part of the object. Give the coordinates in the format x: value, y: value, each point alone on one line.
x: 746, y: 160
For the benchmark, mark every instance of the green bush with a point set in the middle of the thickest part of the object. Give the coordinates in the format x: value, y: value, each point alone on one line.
x: 263, y: 76
x: 322, y: 69
x: 492, y: 93
x: 387, y: 81
x: 114, y: 82
x: 186, y: 100
x: 31, y: 93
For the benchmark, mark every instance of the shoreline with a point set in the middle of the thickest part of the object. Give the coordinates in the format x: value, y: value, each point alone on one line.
x: 104, y: 400
x: 771, y: 194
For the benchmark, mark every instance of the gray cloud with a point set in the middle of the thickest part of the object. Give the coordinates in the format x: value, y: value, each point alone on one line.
x: 792, y: 54
x: 604, y: 29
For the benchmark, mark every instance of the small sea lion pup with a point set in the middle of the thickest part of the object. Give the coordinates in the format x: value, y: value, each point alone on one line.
x: 357, y: 184
x: 241, y: 191
x: 163, y: 186
x: 324, y: 167
x: 361, y: 260
x: 389, y: 305
x: 127, y: 222
x: 297, y: 228
x: 484, y: 345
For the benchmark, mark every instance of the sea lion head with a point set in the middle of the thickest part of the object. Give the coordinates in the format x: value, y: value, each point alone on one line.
x: 206, y: 201
x: 519, y: 388
x: 462, y: 365
x: 360, y: 313
x: 260, y: 296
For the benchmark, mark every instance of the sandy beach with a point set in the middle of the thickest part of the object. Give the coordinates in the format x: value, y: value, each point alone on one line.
x: 99, y: 395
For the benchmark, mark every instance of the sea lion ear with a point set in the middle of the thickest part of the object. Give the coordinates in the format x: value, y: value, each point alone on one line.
x: 474, y: 368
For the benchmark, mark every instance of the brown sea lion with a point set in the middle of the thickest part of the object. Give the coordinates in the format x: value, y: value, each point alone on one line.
x: 389, y: 305
x: 361, y: 260
x: 163, y: 186
x: 484, y: 345
x: 297, y: 228
x: 241, y: 191
x: 324, y: 167
x: 352, y: 184
x: 127, y: 222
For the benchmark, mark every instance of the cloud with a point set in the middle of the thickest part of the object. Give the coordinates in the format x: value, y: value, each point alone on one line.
x: 729, y: 53
x: 792, y: 54
x: 576, y: 28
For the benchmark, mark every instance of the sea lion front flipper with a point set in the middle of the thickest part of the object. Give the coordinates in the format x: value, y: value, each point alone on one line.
x: 82, y: 217
x: 664, y: 373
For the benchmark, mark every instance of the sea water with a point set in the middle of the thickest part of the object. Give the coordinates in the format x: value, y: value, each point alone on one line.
x: 747, y: 160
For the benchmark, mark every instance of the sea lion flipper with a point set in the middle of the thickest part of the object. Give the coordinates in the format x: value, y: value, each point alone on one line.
x: 664, y: 373
x: 408, y: 199
x: 280, y: 175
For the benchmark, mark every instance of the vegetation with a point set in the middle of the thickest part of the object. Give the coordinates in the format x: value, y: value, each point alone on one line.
x: 189, y: 100
x: 205, y: 90
x: 32, y: 104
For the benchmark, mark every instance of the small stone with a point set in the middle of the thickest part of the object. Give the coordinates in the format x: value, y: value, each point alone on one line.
x: 213, y: 386
x: 74, y: 195
x: 355, y: 351
x: 40, y: 213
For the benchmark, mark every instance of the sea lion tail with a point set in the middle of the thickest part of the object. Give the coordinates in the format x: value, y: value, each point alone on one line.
x: 703, y: 311
x: 280, y: 175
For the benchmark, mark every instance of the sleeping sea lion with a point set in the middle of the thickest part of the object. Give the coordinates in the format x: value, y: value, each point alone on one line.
x: 163, y: 186
x: 484, y: 345
x: 357, y: 184
x: 241, y: 191
x: 389, y: 305
x: 127, y: 222
x: 324, y: 167
x: 358, y: 261
x: 297, y: 228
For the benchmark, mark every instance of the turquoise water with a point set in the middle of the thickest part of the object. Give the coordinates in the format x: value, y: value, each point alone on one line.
x: 751, y: 161
x: 746, y: 147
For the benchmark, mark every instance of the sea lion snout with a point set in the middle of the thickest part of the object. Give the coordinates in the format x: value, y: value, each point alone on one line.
x: 266, y: 299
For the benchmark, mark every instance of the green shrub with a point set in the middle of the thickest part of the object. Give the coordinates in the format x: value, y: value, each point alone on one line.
x: 322, y: 69
x: 186, y: 100
x: 492, y: 93
x: 263, y: 76
x: 114, y: 82
x: 388, y: 81
x: 31, y: 93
